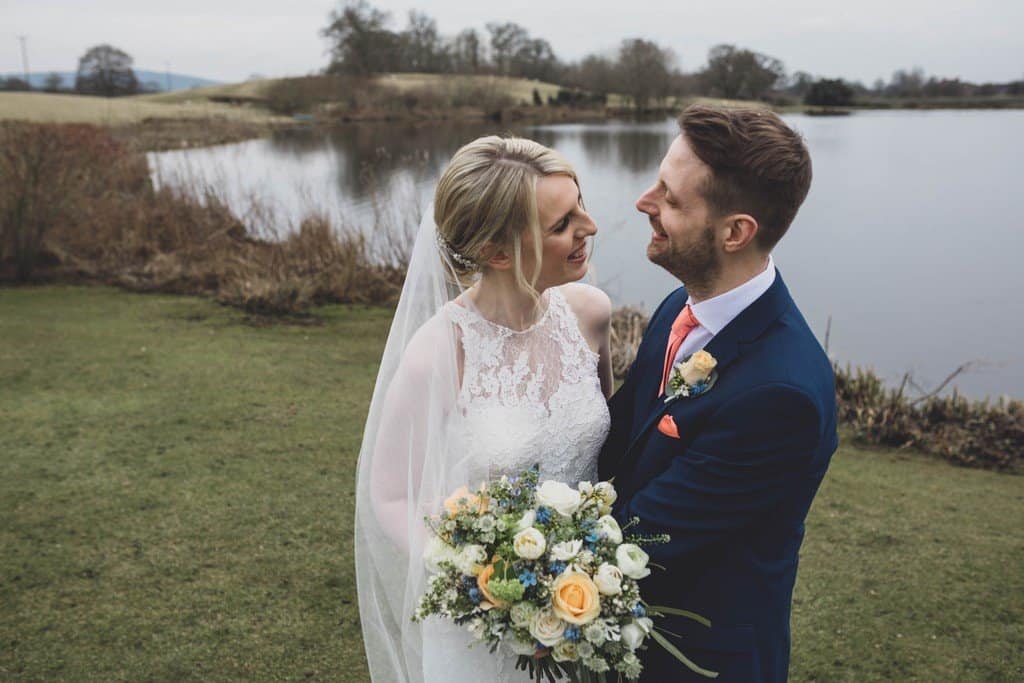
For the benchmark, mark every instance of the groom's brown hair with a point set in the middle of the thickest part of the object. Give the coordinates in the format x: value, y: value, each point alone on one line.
x: 759, y: 165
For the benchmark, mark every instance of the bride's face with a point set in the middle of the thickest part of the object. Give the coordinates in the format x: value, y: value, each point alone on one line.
x: 564, y: 227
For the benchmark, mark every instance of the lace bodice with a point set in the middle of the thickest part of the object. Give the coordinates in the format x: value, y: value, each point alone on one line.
x: 529, y: 397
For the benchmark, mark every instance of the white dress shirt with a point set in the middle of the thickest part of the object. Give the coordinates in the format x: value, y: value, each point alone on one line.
x: 717, y: 312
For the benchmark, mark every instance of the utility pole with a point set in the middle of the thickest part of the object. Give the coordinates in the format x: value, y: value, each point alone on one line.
x: 24, y: 59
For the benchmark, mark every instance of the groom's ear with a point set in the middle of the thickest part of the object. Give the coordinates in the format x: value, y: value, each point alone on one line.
x: 740, y: 230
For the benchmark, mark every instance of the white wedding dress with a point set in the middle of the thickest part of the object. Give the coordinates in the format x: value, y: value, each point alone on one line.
x: 530, y: 397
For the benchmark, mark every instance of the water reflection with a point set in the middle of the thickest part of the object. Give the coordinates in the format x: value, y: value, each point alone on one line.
x: 903, y: 241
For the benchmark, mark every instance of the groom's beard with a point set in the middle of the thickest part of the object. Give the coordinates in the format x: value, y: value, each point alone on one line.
x: 697, y: 265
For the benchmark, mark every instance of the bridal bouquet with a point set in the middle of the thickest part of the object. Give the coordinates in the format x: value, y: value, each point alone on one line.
x: 543, y: 570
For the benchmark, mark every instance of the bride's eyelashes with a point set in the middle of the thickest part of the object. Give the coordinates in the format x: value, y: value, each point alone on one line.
x: 563, y: 224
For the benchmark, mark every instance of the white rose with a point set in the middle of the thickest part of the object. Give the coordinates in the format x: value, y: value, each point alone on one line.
x: 608, y: 579
x: 470, y: 558
x: 547, y: 628
x: 477, y: 628
x: 436, y: 552
x: 608, y: 527
x: 632, y: 561
x: 529, y: 544
x: 521, y: 613
x: 559, y: 497
x: 521, y: 647
x: 608, y: 496
x: 697, y: 368
x: 566, y: 550
x: 565, y: 651
x: 527, y: 520
x: 633, y: 635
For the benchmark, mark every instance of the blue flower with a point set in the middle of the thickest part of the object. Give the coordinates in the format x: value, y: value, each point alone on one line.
x: 639, y: 611
x: 513, y: 479
x: 572, y: 634
x: 556, y: 567
x: 698, y: 388
x: 592, y: 538
x: 474, y: 595
x: 517, y: 492
x: 543, y: 515
x: 528, y: 578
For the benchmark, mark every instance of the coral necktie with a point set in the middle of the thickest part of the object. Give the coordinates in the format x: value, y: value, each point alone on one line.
x: 684, y: 322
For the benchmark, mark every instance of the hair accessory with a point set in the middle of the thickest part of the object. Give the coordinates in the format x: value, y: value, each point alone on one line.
x: 463, y: 261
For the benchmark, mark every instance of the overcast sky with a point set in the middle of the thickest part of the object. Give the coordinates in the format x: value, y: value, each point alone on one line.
x: 229, y: 40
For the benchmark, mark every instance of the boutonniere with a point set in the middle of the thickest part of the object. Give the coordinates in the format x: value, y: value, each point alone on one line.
x: 692, y: 377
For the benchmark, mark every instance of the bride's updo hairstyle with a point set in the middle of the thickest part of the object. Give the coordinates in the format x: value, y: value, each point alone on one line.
x: 487, y: 195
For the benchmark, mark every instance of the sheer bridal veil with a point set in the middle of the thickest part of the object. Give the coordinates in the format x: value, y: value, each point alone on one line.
x: 405, y: 469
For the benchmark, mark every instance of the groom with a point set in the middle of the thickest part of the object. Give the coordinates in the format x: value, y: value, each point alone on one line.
x: 729, y: 471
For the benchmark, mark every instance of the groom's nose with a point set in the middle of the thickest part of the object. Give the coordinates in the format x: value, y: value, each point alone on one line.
x: 645, y: 203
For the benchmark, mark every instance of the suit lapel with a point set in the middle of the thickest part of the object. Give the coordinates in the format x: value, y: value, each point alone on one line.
x: 724, y: 346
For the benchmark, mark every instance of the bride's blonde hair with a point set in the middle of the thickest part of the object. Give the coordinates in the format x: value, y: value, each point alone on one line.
x: 488, y: 195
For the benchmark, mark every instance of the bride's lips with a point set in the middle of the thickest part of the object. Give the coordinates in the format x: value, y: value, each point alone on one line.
x: 578, y: 256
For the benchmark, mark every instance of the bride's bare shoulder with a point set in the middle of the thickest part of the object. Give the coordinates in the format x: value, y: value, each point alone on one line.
x: 591, y: 305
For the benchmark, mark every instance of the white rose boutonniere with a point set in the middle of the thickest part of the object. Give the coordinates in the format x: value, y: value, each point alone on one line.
x: 692, y: 377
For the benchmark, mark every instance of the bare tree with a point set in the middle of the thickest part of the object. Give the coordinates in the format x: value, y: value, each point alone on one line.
x: 645, y: 71
x: 506, y: 40
x: 106, y: 70
x: 737, y: 73
x: 534, y: 59
x: 422, y: 47
x: 467, y: 52
x: 361, y: 43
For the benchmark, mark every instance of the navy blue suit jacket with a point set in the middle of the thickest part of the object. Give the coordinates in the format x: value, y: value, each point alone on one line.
x: 733, y: 490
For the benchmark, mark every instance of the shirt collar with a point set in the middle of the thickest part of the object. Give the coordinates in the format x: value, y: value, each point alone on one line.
x: 715, y: 313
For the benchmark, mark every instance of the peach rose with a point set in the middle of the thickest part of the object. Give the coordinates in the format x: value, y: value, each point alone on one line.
x: 462, y: 500
x: 575, y: 598
x: 483, y: 579
x: 698, y: 367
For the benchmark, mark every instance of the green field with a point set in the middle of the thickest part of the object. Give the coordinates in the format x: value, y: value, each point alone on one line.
x: 177, y: 497
x: 53, y: 108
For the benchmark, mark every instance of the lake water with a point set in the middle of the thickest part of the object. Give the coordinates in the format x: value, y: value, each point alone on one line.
x: 910, y: 238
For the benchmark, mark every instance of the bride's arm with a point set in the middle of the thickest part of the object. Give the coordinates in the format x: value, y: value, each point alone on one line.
x: 593, y: 309
x: 420, y: 395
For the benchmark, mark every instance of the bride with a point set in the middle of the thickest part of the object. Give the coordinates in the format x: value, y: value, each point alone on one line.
x: 497, y: 360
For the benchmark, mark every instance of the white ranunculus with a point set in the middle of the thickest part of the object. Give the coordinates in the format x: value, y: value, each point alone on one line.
x: 609, y: 528
x: 559, y: 497
x: 607, y: 493
x: 565, y: 651
x: 436, y: 552
x: 470, y: 559
x: 584, y: 649
x: 608, y: 579
x: 527, y: 520
x: 585, y: 488
x: 632, y: 561
x: 529, y: 544
x: 633, y: 635
x: 521, y: 613
x: 566, y: 550
x: 521, y: 647
x: 547, y: 628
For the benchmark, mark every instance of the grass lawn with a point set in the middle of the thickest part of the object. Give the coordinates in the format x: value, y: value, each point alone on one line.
x: 55, y: 108
x: 176, y: 490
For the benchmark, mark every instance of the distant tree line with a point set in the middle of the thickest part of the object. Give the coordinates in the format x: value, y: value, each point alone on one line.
x: 364, y: 43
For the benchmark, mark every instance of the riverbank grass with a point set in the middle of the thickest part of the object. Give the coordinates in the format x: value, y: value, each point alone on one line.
x: 177, y: 490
